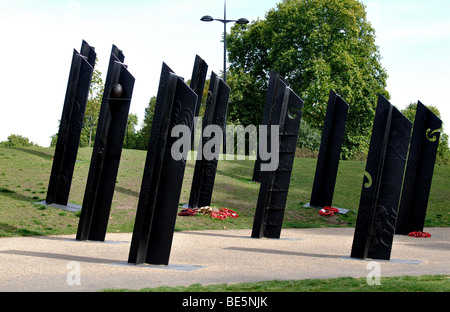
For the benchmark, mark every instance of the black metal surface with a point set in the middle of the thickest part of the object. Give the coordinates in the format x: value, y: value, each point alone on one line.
x: 198, y: 84
x: 163, y: 175
x: 71, y: 124
x: 274, y: 186
x: 385, y: 166
x: 153, y: 166
x: 198, y: 80
x: 275, y: 93
x: 107, y: 150
x: 329, y: 152
x: 419, y: 171
x: 205, y: 169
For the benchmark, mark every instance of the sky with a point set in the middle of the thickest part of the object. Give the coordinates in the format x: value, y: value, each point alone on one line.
x: 38, y: 38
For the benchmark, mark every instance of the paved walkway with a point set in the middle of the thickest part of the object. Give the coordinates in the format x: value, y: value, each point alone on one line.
x: 52, y: 263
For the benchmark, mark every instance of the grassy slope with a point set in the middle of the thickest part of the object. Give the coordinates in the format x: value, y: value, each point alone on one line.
x: 24, y: 175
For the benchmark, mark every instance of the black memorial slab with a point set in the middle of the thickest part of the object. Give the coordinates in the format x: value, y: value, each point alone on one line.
x: 197, y: 85
x: 419, y: 171
x: 163, y: 174
x: 385, y: 166
x: 329, y: 152
x: 205, y: 169
x: 107, y: 150
x: 275, y: 93
x: 198, y: 80
x: 274, y: 186
x: 70, y: 126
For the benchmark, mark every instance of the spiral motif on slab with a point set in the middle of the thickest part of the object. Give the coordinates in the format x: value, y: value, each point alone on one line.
x: 210, y: 169
x: 293, y: 112
x: 432, y: 135
x: 367, y: 176
x: 186, y: 117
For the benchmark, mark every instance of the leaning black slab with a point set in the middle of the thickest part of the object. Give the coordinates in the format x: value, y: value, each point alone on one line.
x: 271, y: 115
x: 329, y: 153
x: 107, y: 150
x: 66, y: 148
x: 419, y: 171
x: 163, y: 174
x: 383, y: 179
x: 205, y: 169
x: 274, y: 185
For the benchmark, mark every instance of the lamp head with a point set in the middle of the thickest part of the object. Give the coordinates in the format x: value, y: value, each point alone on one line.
x: 207, y: 18
x: 242, y: 21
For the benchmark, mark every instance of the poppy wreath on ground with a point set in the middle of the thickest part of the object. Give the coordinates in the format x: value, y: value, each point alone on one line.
x: 419, y: 234
x: 188, y: 212
x: 328, y: 211
x: 223, y: 214
x: 216, y: 213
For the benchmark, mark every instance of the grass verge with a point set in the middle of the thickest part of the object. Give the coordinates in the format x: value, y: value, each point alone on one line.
x: 424, y: 283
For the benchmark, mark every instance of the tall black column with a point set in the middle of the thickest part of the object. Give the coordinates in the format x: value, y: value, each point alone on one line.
x: 205, y: 169
x: 275, y: 93
x: 163, y: 173
x: 274, y: 186
x: 71, y: 124
x: 197, y: 85
x: 385, y: 166
x: 419, y: 171
x: 198, y: 80
x: 329, y: 152
x: 107, y: 150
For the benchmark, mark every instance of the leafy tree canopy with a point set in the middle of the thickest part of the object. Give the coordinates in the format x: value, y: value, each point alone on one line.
x: 316, y: 45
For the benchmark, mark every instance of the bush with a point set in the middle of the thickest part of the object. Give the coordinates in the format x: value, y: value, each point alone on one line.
x: 15, y: 140
x: 308, y: 137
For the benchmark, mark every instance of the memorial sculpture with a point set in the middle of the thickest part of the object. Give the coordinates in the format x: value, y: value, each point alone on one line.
x: 285, y: 113
x: 206, y: 165
x: 329, y: 153
x: 275, y: 91
x: 163, y: 173
x: 107, y: 150
x: 198, y: 84
x: 419, y: 171
x: 385, y: 166
x: 70, y: 126
x: 198, y: 80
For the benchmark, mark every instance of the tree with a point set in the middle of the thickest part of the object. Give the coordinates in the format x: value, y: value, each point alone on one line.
x: 143, y: 135
x: 92, y: 112
x: 131, y: 136
x: 316, y: 45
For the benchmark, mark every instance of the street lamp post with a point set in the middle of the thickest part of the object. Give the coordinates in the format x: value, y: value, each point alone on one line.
x: 241, y: 21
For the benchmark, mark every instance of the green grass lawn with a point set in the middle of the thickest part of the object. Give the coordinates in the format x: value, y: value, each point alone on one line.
x: 25, y: 172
